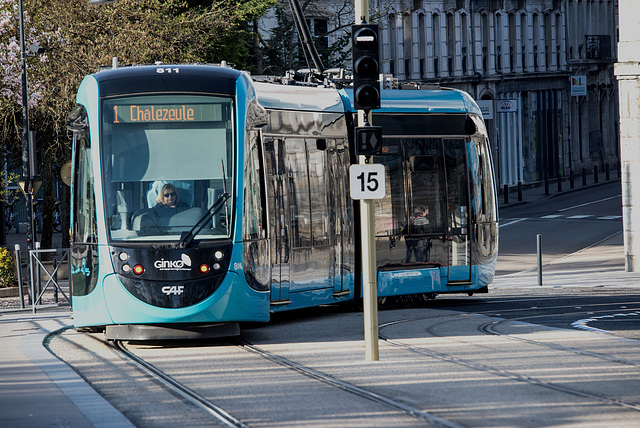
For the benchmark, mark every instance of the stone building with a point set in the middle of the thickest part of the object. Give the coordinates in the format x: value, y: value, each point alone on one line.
x: 542, y: 71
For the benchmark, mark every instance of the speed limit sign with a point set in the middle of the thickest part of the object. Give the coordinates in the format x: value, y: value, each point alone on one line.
x: 367, y: 181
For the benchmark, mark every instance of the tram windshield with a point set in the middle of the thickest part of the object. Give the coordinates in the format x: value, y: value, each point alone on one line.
x: 167, y: 161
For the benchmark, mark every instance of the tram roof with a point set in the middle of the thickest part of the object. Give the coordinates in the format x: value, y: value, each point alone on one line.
x: 301, y: 98
x: 422, y: 101
x: 146, y: 78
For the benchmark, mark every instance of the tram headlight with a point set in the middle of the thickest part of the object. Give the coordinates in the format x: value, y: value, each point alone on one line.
x: 123, y: 256
x: 218, y: 255
x: 138, y: 269
x: 126, y: 268
x: 216, y: 266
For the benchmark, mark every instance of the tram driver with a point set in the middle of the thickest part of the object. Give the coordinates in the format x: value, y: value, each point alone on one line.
x: 168, y: 197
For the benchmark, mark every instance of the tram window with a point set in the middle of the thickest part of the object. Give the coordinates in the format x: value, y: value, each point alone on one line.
x: 253, y: 209
x: 487, y: 185
x: 457, y: 179
x: 425, y: 192
x: 296, y: 163
x: 152, y: 140
x: 319, y: 193
x: 85, y: 228
x: 390, y: 212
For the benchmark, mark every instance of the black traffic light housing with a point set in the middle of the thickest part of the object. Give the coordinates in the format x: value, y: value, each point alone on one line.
x: 368, y: 140
x: 366, y: 66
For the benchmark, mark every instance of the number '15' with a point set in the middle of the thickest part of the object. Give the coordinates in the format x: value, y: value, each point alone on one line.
x: 369, y: 183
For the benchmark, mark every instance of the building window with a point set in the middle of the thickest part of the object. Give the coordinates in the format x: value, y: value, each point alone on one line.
x: 406, y: 24
x: 523, y: 39
x: 485, y: 42
x: 422, y: 37
x: 319, y: 28
x: 451, y: 43
x: 436, y: 43
x: 535, y: 42
x: 498, y: 42
x: 392, y: 44
x: 464, y: 27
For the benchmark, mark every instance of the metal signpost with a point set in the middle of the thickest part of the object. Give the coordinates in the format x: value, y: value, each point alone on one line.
x: 367, y: 181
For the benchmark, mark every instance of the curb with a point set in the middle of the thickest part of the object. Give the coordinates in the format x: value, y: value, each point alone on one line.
x: 12, y: 291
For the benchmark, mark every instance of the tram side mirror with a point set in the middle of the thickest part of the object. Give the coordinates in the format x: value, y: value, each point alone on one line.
x: 65, y: 173
x: 77, y: 119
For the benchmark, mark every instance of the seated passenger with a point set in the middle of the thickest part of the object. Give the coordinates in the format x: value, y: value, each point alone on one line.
x: 169, y: 197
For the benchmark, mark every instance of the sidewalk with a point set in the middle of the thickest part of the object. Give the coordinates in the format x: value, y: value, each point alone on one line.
x: 39, y: 390
x: 532, y: 192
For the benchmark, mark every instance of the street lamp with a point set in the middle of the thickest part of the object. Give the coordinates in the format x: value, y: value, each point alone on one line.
x: 26, y: 167
x: 28, y: 149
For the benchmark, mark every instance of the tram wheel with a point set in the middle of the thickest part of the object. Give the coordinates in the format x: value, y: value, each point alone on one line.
x: 429, y: 296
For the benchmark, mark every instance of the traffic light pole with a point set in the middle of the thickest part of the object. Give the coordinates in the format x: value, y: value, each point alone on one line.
x: 367, y: 237
x: 369, y: 271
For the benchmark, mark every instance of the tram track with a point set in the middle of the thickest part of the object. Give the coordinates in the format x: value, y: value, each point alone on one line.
x: 180, y: 389
x: 225, y: 418
x: 228, y: 420
x: 346, y: 386
x: 510, y: 374
x: 489, y: 328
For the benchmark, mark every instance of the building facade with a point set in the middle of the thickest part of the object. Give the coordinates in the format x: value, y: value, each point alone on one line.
x: 542, y: 71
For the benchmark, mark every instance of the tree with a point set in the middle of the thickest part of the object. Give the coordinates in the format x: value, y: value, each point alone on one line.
x: 276, y: 48
x: 79, y: 37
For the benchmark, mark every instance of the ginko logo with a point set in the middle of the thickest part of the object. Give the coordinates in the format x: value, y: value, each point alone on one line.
x: 183, y: 264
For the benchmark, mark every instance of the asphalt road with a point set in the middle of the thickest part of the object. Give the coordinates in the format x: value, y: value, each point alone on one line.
x: 566, y: 224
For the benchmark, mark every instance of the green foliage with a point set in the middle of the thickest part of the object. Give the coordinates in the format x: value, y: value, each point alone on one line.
x: 7, y: 269
x: 79, y: 38
x: 10, y: 195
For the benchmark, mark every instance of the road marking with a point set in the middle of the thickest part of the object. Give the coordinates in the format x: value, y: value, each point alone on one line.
x: 580, y: 217
x: 518, y: 220
x: 583, y: 323
x: 590, y: 203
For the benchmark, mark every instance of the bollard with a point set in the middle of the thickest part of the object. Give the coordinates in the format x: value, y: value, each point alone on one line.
x: 506, y: 194
x: 519, y: 191
x: 607, y: 174
x: 584, y: 177
x: 19, y: 275
x: 38, y: 276
x: 55, y: 280
x: 572, y: 178
x: 539, y: 244
x: 546, y: 186
x: 559, y: 182
x: 595, y: 173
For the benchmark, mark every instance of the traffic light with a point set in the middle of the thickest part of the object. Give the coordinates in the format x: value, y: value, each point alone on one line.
x: 366, y: 66
x: 368, y: 140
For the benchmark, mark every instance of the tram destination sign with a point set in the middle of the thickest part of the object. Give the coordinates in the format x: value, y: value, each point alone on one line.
x: 162, y: 113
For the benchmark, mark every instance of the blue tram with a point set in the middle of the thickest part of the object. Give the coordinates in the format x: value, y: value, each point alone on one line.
x: 202, y: 198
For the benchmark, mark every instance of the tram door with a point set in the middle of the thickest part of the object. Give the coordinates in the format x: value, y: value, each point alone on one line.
x: 338, y: 164
x: 457, y: 179
x: 277, y: 191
